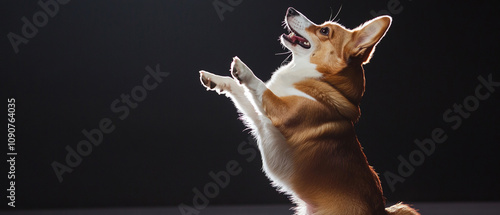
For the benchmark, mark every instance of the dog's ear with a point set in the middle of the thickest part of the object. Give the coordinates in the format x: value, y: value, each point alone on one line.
x: 365, y: 37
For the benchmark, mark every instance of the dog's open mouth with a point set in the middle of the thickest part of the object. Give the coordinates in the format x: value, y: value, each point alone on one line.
x: 295, y: 38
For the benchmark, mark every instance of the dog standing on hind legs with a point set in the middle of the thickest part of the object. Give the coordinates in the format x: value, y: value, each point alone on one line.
x: 303, y: 118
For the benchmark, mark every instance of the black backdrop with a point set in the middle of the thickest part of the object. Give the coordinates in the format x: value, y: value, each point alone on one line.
x: 163, y: 146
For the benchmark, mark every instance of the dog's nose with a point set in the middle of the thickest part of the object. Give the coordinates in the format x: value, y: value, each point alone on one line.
x: 292, y: 12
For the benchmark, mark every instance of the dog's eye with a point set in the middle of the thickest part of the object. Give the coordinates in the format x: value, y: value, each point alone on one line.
x: 325, y: 31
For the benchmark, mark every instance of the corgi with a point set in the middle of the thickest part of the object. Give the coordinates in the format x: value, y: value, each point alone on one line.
x: 303, y: 117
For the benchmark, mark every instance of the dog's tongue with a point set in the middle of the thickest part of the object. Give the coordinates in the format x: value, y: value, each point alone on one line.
x: 294, y: 38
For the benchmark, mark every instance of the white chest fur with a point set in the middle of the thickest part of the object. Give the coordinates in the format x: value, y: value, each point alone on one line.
x: 283, y: 80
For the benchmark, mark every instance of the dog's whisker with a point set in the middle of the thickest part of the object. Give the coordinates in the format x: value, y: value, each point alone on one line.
x: 338, y: 12
x: 286, y: 59
x: 283, y: 53
x: 331, y: 13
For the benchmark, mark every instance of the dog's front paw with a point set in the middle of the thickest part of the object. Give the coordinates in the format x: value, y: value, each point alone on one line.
x: 215, y: 82
x: 241, y: 72
x: 206, y: 80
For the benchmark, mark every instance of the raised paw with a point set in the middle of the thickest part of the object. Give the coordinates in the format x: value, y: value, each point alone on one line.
x: 206, y: 81
x: 241, y: 72
x: 216, y: 82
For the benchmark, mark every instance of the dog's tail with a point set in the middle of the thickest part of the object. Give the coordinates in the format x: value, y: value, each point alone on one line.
x: 401, y: 209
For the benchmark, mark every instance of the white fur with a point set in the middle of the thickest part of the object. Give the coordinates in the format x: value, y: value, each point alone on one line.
x: 247, y: 97
x: 246, y: 91
x: 281, y: 83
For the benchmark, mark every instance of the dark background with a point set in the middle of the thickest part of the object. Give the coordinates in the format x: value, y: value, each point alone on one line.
x: 66, y: 77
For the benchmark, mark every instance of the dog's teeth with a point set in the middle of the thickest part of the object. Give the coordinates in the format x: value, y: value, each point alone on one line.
x: 291, y: 34
x: 306, y: 43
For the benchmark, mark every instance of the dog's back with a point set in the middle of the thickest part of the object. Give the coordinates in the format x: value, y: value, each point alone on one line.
x: 303, y: 118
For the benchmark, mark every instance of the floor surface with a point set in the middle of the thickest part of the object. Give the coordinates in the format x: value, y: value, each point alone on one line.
x: 455, y: 208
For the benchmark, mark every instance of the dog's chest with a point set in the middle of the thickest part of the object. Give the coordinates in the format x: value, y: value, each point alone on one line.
x: 283, y: 81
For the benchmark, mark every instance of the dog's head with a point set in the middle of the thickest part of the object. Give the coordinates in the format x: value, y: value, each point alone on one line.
x: 337, y: 52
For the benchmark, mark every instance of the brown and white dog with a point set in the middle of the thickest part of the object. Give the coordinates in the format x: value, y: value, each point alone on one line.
x: 303, y: 118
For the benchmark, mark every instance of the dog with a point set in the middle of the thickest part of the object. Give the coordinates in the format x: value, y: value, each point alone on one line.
x: 303, y: 117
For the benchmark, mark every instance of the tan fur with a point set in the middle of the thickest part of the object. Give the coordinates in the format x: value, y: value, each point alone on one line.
x: 401, y: 209
x: 308, y: 141
x: 332, y: 174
